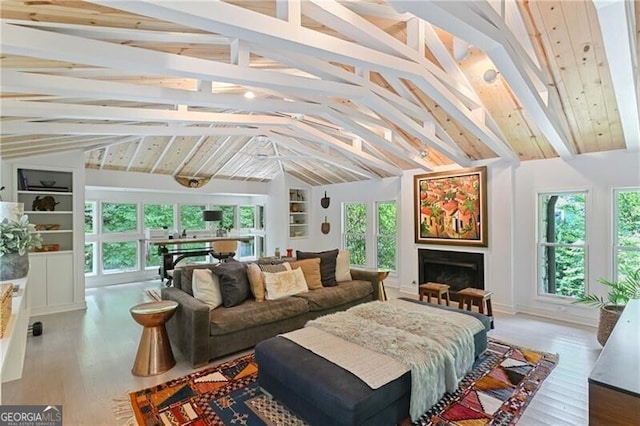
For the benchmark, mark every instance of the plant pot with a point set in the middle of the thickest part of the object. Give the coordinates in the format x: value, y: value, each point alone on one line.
x: 608, y: 318
x: 13, y: 266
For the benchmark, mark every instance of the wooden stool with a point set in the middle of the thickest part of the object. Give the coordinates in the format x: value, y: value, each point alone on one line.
x: 434, y: 289
x: 478, y: 297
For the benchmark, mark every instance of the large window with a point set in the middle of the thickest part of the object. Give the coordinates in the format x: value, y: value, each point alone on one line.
x: 627, y: 232
x: 120, y: 257
x: 119, y: 217
x: 191, y: 218
x: 89, y: 217
x: 247, y: 217
x: 386, y: 240
x: 228, y: 216
x: 157, y: 216
x: 562, y: 243
x: 354, y: 232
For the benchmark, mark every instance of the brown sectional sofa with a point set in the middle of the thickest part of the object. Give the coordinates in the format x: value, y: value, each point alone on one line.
x: 202, y: 334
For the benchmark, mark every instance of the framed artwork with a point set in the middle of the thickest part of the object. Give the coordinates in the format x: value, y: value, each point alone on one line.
x: 451, y: 207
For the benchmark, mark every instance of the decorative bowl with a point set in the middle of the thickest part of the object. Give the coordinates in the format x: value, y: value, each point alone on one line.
x: 48, y: 183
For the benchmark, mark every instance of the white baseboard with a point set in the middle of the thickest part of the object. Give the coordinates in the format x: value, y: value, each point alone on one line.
x: 35, y: 312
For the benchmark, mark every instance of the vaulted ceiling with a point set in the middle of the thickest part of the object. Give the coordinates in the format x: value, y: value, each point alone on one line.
x: 326, y: 91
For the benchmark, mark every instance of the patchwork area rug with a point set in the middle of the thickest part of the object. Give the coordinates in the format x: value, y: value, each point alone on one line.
x: 497, y: 390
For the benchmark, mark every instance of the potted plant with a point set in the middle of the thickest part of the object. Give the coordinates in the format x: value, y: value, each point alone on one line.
x: 16, y: 239
x: 611, y: 308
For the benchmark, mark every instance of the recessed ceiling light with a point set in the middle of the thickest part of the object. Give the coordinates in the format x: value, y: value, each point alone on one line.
x: 249, y: 94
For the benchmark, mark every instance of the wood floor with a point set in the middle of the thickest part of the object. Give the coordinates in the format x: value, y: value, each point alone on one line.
x: 83, y: 360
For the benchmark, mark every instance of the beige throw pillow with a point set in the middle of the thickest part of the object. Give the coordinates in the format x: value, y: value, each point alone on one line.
x: 343, y: 266
x: 206, y: 287
x: 283, y: 284
x: 311, y: 270
x: 256, y: 279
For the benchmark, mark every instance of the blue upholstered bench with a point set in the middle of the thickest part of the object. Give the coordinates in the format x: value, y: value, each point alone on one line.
x: 322, y: 393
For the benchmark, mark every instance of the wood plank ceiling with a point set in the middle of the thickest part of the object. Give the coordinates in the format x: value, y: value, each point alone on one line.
x: 326, y: 91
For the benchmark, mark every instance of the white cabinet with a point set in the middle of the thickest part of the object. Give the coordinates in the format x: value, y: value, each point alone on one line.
x: 298, y: 213
x: 51, y: 282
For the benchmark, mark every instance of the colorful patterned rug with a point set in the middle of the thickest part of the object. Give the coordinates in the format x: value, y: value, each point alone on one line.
x: 500, y: 386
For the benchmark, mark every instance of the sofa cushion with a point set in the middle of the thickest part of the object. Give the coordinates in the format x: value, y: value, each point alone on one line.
x: 183, y: 276
x: 234, y: 283
x: 311, y: 270
x: 343, y: 266
x: 327, y: 264
x: 253, y: 314
x: 206, y: 287
x: 331, y: 297
x: 283, y: 284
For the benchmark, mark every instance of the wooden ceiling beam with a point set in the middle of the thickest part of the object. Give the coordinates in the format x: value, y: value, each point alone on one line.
x: 617, y: 23
x: 10, y: 127
x: 287, y: 141
x: 51, y: 110
x: 23, y: 82
x: 38, y: 43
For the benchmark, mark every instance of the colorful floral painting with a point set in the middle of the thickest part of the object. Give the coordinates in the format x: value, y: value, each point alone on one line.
x: 450, y: 207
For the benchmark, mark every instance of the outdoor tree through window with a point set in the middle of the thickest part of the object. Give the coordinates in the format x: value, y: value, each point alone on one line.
x: 627, y: 232
x: 386, y: 235
x: 355, y: 228
x: 562, y: 243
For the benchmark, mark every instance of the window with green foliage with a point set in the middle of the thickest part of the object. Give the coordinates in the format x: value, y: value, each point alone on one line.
x: 89, y: 255
x: 386, y: 239
x: 228, y: 216
x: 562, y: 243
x: 627, y: 232
x: 191, y: 218
x: 354, y: 232
x: 119, y: 217
x: 247, y: 217
x: 260, y: 210
x: 120, y: 257
x: 89, y: 217
x: 158, y: 215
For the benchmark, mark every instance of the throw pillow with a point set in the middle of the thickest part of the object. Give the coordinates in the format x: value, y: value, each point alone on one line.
x: 311, y: 270
x: 234, y: 283
x: 256, y: 281
x: 206, y: 287
x: 343, y: 266
x: 327, y: 265
x: 284, y: 284
x: 274, y: 267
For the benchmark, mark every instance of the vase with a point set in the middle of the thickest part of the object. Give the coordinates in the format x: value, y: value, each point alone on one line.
x: 13, y: 266
x: 608, y: 318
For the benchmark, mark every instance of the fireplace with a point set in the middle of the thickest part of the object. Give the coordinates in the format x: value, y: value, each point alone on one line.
x: 457, y: 269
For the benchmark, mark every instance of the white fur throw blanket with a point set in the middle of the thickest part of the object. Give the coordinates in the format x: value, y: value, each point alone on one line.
x: 436, y: 345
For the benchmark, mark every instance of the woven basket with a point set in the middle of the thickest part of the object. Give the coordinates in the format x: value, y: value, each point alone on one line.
x: 609, y: 316
x: 6, y: 294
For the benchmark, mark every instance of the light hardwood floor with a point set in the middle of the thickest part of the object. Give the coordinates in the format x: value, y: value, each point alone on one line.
x: 84, y: 358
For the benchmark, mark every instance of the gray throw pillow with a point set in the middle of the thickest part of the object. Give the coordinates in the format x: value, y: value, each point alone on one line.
x: 234, y: 283
x: 327, y: 265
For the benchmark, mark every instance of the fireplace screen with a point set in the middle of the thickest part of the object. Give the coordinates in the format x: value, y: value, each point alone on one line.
x: 457, y: 269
